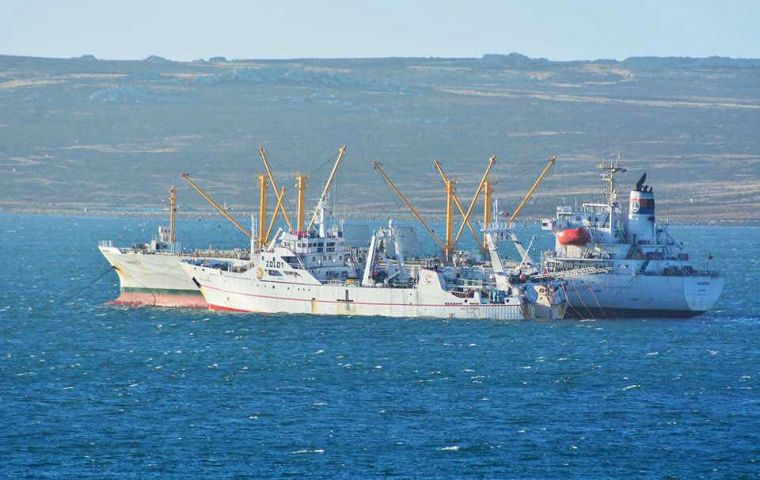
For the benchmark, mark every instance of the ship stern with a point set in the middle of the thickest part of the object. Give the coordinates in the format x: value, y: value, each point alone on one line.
x: 702, y: 292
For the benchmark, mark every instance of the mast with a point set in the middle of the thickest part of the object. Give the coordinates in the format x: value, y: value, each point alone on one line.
x: 262, y: 211
x: 450, y: 185
x: 301, y: 189
x: 172, y: 212
x: 457, y: 202
x: 321, y: 216
x: 609, y: 170
x: 487, y: 201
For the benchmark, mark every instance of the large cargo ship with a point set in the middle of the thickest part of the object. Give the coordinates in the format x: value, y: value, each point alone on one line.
x: 625, y: 263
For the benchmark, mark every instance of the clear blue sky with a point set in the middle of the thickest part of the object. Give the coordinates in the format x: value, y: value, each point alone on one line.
x: 559, y: 30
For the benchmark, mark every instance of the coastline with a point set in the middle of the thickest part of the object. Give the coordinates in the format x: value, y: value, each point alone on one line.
x: 361, y: 214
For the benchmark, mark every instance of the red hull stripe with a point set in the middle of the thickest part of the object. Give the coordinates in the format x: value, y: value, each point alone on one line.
x: 227, y: 309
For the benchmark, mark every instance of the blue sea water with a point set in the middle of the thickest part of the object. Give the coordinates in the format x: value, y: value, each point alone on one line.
x: 92, y: 391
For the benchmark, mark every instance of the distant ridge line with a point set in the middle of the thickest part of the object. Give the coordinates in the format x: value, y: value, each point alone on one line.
x: 488, y: 59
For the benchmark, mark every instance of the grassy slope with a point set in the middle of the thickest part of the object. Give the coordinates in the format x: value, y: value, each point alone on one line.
x: 112, y: 136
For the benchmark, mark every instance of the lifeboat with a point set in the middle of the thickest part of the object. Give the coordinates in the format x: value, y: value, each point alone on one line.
x: 574, y: 236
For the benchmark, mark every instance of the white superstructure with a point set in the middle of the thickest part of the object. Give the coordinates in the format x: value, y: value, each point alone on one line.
x: 623, y: 263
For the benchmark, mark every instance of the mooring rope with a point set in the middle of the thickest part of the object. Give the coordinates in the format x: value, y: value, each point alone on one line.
x: 604, y: 314
x: 97, y: 279
x: 567, y: 299
x: 580, y: 297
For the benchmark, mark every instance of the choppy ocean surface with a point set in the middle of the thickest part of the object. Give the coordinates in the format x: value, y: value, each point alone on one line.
x: 92, y: 391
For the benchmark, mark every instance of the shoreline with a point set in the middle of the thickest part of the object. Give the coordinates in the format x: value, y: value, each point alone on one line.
x: 363, y: 215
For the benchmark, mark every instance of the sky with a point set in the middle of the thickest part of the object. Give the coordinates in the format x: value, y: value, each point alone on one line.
x: 558, y: 30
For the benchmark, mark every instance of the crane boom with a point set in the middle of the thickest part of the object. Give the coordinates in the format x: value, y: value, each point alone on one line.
x: 328, y: 184
x: 458, y: 203
x: 533, y: 188
x: 379, y: 167
x: 263, y: 155
x: 213, y: 203
x: 491, y: 162
x: 278, y: 206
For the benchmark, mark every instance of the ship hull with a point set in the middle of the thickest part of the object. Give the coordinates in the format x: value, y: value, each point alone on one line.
x: 158, y: 297
x: 615, y: 295
x: 156, y: 280
x: 228, y: 291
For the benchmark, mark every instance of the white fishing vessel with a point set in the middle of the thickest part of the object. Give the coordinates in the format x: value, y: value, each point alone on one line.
x: 323, y: 274
x: 623, y: 262
x: 150, y: 273
x: 314, y: 270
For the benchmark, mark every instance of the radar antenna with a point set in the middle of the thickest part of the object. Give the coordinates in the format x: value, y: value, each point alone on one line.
x: 609, y: 170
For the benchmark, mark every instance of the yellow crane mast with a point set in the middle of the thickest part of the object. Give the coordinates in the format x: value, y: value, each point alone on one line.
x: 487, y: 216
x: 172, y: 212
x: 213, y: 203
x: 457, y: 202
x: 301, y: 204
x: 262, y: 236
x: 450, y: 192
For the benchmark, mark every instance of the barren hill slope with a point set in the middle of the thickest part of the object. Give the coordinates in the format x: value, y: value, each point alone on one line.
x: 114, y: 135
